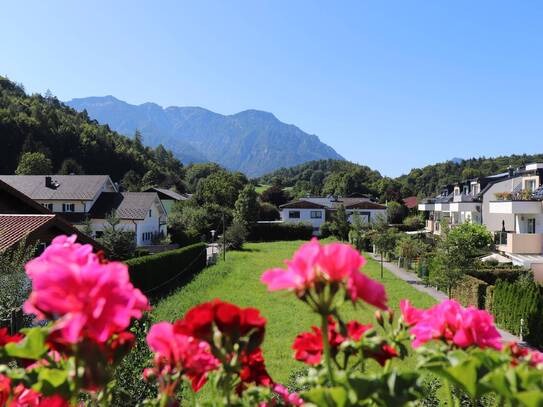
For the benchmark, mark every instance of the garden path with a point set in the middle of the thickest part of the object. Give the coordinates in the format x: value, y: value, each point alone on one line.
x: 418, y: 284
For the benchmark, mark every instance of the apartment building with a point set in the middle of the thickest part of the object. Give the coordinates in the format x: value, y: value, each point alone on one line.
x: 508, y: 204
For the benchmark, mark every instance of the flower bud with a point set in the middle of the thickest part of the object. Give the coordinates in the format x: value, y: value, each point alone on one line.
x: 379, y: 318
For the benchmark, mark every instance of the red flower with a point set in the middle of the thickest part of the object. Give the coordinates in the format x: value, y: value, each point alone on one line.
x: 54, y: 401
x: 5, y: 338
x: 119, y: 346
x: 385, y: 353
x: 5, y: 389
x: 308, y: 345
x: 253, y: 369
x: 230, y: 319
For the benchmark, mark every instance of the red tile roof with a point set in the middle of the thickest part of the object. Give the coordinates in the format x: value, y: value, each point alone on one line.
x: 15, y: 227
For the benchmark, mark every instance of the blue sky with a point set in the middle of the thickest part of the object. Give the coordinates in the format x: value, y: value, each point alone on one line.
x: 393, y: 85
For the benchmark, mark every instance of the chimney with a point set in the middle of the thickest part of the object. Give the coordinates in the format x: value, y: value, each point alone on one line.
x: 48, y: 182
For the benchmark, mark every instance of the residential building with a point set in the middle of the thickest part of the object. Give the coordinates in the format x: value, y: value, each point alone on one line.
x: 317, y: 210
x: 22, y: 218
x: 168, y: 197
x: 508, y: 204
x: 82, y: 199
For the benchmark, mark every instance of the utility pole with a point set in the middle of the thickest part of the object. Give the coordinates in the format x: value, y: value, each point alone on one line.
x: 224, y: 236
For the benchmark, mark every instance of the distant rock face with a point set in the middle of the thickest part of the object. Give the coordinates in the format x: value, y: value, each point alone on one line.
x: 253, y: 142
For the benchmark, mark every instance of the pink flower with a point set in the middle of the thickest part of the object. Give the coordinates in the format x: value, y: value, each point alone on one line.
x: 463, y: 327
x: 364, y: 288
x: 184, y: 353
x: 411, y: 315
x: 88, y: 298
x: 290, y: 399
x: 300, y: 273
x: 335, y: 262
x: 339, y: 260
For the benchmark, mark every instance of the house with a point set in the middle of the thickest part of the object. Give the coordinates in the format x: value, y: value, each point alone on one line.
x: 22, y: 218
x: 317, y: 210
x: 168, y: 197
x: 82, y: 199
x: 508, y: 204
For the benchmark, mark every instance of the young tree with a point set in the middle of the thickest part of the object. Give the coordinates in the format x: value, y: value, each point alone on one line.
x: 274, y: 195
x: 236, y: 234
x: 384, y: 240
x: 340, y: 224
x: 246, y: 206
x: 409, y: 248
x: 34, y: 164
x: 395, y: 212
x: 120, y: 244
x: 358, y: 234
x: 14, y: 284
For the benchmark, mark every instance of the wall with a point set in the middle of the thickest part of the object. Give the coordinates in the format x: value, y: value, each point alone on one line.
x: 80, y: 206
x: 493, y: 221
x: 305, y: 216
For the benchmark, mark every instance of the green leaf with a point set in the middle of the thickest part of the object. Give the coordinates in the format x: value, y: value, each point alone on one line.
x: 532, y: 398
x: 31, y: 347
x: 52, y: 381
x: 327, y: 397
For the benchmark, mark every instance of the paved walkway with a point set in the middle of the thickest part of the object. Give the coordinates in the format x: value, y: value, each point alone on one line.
x: 418, y: 284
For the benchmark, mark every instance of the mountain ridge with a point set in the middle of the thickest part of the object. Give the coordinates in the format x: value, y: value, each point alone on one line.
x: 251, y: 141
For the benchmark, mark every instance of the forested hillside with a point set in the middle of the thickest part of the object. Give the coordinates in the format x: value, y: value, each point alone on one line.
x: 346, y: 178
x: 428, y: 180
x: 71, y: 141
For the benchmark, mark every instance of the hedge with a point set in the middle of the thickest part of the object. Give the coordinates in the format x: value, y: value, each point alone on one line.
x: 269, y: 232
x: 158, y: 273
x: 470, y: 291
x: 491, y: 276
x: 512, y: 302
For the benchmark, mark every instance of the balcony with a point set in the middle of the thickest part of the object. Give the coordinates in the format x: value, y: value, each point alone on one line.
x: 519, y: 243
x: 516, y: 207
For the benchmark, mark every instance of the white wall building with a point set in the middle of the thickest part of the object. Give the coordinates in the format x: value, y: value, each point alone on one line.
x: 78, y: 198
x: 317, y: 210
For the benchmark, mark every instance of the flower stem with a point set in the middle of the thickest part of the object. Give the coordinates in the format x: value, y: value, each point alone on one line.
x: 326, y: 348
x: 450, y: 396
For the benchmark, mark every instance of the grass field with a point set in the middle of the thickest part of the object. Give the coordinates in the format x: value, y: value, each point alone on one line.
x: 237, y: 281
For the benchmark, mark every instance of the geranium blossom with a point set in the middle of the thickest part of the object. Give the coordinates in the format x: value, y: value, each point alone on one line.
x: 332, y: 263
x: 89, y: 298
x: 253, y: 370
x: 308, y: 345
x: 230, y: 319
x: 5, y: 338
x: 178, y: 351
x: 450, y: 322
x: 290, y: 399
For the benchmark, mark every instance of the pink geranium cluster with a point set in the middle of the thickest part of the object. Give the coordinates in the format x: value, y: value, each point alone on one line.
x: 20, y: 396
x: 314, y: 265
x: 177, y: 352
x: 452, y: 323
x: 89, y: 298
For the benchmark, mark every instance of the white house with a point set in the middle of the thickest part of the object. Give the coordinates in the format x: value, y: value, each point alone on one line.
x: 317, y: 210
x: 508, y: 204
x: 82, y: 198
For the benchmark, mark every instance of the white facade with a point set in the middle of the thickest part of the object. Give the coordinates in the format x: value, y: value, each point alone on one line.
x: 313, y: 217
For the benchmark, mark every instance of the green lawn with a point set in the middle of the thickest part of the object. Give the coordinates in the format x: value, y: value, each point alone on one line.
x: 261, y: 188
x: 237, y: 281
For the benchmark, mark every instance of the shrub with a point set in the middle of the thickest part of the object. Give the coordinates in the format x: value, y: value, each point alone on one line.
x: 152, y: 273
x: 236, y: 234
x: 522, y: 299
x: 269, y: 232
x: 470, y: 291
x: 268, y: 211
x: 491, y: 276
x: 413, y: 222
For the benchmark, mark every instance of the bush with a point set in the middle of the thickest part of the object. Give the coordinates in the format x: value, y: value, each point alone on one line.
x: 491, y: 276
x: 157, y: 273
x: 522, y: 299
x: 270, y: 232
x: 326, y: 230
x: 470, y: 291
x: 268, y: 211
x: 413, y: 222
x: 236, y: 234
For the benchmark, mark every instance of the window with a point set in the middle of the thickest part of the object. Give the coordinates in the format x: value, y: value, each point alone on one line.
x: 98, y: 234
x: 316, y: 215
x: 466, y: 189
x: 68, y: 207
x: 48, y: 206
x: 294, y: 214
x: 529, y: 185
x: 457, y: 190
x: 531, y: 225
x: 150, y: 213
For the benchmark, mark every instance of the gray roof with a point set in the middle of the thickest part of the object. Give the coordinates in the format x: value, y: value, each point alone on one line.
x: 169, y: 193
x: 127, y: 205
x: 67, y: 187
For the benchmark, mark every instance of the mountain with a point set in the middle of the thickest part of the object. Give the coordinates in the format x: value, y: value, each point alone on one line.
x: 71, y: 140
x: 253, y: 142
